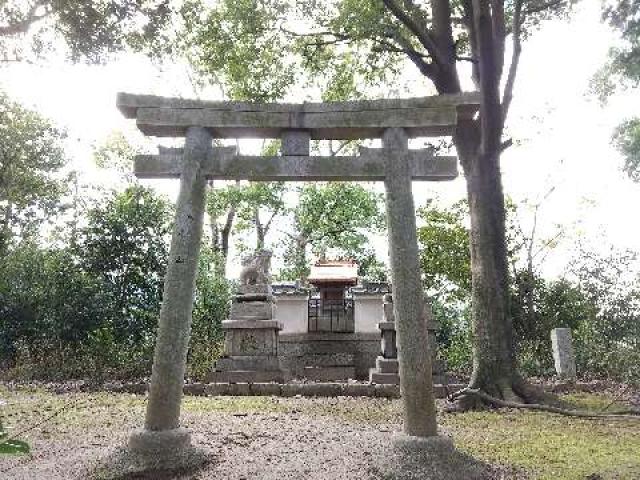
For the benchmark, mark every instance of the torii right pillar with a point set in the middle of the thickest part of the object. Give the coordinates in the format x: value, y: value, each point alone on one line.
x: 416, y: 383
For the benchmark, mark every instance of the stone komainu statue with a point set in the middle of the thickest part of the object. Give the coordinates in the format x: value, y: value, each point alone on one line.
x: 255, y: 268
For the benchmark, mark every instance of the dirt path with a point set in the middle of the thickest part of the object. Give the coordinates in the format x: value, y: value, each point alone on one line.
x: 245, y: 445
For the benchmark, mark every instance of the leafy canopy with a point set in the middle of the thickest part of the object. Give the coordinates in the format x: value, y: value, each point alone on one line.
x: 90, y: 29
x: 621, y: 71
x: 31, y: 157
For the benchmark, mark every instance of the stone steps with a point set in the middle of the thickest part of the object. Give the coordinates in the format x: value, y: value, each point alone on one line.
x: 324, y: 374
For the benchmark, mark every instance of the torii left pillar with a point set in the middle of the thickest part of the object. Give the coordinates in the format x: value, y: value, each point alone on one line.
x: 162, y: 434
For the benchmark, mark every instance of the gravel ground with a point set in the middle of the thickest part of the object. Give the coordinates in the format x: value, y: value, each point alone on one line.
x: 269, y: 446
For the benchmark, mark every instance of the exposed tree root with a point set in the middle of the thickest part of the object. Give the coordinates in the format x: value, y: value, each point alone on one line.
x: 515, y: 390
x: 485, y: 398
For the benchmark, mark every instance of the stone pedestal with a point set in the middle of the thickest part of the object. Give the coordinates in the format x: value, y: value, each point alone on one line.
x: 250, y: 335
x: 563, y: 355
x: 386, y: 370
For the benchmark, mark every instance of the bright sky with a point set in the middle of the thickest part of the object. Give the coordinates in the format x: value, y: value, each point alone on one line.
x: 562, y: 136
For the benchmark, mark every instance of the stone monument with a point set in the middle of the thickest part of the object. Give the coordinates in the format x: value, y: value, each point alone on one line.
x: 386, y: 369
x: 251, y: 332
x: 563, y: 354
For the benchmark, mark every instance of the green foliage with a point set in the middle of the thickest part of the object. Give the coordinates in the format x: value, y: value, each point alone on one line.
x: 91, y: 30
x: 213, y: 295
x: 444, y: 250
x: 623, y: 67
x: 237, y: 43
x: 48, y: 306
x: 10, y: 446
x: 454, y: 335
x: 622, y: 71
x: 609, y: 343
x: 537, y: 307
x: 125, y: 244
x: 116, y: 153
x: 626, y: 138
x: 337, y: 217
x: 601, y: 307
x: 31, y: 156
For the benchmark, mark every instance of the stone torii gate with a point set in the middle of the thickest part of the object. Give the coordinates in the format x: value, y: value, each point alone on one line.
x: 394, y: 121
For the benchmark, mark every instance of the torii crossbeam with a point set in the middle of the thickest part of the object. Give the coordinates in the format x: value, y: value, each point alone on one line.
x: 392, y: 120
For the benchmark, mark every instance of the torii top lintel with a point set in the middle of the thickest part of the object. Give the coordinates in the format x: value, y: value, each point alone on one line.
x: 423, y: 116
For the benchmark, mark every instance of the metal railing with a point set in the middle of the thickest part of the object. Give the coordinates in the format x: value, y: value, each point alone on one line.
x: 331, y: 315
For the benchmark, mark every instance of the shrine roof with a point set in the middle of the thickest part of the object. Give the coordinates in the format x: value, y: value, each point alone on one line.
x: 337, y: 271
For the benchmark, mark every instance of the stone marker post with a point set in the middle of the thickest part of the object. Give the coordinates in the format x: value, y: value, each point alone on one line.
x: 416, y: 383
x: 563, y: 354
x: 162, y: 430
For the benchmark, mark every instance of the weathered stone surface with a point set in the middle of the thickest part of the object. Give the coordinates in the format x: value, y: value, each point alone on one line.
x: 329, y: 373
x: 167, y: 379
x: 246, y: 377
x: 251, y: 341
x: 387, y: 309
x: 388, y: 344
x: 249, y: 362
x: 358, y: 390
x: 341, y: 359
x: 252, y: 309
x: 563, y: 354
x: 295, y: 142
x: 369, y: 166
x: 251, y: 324
x: 426, y: 116
x: 384, y: 378
x: 299, y: 350
x: 319, y: 389
x: 408, y: 301
x: 386, y: 391
x: 263, y: 289
x: 265, y: 389
x: 196, y: 389
x: 387, y: 365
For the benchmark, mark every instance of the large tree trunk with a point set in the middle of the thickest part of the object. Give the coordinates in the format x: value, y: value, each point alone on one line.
x: 495, y: 369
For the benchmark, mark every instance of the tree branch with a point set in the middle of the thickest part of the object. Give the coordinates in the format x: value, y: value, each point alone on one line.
x: 418, y: 59
x: 23, y: 25
x: 516, y: 31
x: 544, y: 6
x: 423, y: 36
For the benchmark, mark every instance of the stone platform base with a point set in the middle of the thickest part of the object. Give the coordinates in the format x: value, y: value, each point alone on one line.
x: 163, y: 442
x: 333, y: 356
x: 152, y: 454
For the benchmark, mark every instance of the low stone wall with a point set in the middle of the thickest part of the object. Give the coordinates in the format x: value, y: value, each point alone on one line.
x: 286, y: 389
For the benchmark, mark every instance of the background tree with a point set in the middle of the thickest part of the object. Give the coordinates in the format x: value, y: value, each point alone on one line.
x: 262, y: 203
x: 626, y: 138
x: 90, y: 30
x: 31, y: 158
x: 125, y: 244
x: 537, y: 304
x: 435, y: 37
x: 337, y: 217
x: 623, y: 71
